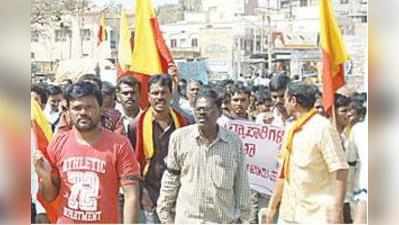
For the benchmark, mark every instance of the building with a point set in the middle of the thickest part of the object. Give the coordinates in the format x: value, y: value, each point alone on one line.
x: 191, y: 5
x: 73, y: 37
x: 246, y: 40
x: 294, y: 29
x: 170, y: 13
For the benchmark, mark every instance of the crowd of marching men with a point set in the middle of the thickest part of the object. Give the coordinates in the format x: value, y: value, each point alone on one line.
x: 111, y: 161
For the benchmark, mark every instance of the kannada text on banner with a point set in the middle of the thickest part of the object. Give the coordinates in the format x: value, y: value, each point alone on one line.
x: 261, y: 145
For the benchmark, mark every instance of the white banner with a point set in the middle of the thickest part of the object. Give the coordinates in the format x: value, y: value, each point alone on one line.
x: 261, y: 145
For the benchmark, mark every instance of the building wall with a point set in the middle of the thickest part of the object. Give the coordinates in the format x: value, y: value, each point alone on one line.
x: 66, y: 42
x: 170, y: 14
x: 217, y: 48
x: 191, y: 5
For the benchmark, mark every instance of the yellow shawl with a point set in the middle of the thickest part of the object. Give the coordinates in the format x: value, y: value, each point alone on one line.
x: 288, y: 141
x: 148, y: 143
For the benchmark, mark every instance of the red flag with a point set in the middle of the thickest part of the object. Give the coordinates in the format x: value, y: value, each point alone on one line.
x: 102, y: 31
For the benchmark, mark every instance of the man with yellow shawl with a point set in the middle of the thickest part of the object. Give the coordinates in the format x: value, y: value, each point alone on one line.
x: 149, y: 134
x: 313, y: 172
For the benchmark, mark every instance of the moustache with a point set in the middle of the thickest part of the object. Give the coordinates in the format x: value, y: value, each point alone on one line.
x: 84, y: 118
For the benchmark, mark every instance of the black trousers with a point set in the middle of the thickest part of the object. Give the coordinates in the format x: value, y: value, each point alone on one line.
x: 347, y: 213
x: 32, y: 213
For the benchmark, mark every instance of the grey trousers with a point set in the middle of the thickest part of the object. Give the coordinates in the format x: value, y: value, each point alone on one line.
x: 256, y: 202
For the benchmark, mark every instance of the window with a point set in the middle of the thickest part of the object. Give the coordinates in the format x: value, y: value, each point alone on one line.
x: 303, y: 3
x: 113, y: 37
x: 35, y: 36
x: 61, y: 35
x: 284, y: 4
x: 85, y: 34
x: 173, y: 43
x: 242, y: 44
x: 194, y: 42
x: 258, y: 45
x: 182, y: 42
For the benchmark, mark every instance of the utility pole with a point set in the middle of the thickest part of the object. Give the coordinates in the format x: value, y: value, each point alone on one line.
x: 262, y: 38
x: 238, y: 58
x: 270, y: 44
x: 255, y: 42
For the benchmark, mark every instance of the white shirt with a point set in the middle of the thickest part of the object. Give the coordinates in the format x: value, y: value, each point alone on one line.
x: 359, y: 139
x: 126, y: 119
x: 51, y: 115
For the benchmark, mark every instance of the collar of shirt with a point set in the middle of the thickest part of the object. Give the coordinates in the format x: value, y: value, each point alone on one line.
x: 163, y: 131
x: 222, y: 135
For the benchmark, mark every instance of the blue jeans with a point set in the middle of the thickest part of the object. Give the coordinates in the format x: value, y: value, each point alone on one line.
x: 149, y: 216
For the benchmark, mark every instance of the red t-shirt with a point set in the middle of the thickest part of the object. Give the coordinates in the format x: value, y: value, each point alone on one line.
x: 91, y: 176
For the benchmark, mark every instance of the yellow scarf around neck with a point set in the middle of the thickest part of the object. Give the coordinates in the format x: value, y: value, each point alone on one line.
x: 148, y: 143
x: 287, y: 144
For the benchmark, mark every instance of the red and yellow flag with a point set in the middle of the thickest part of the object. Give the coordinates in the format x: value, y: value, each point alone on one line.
x: 102, y: 31
x: 334, y: 54
x: 42, y: 131
x: 40, y: 127
x: 150, y: 54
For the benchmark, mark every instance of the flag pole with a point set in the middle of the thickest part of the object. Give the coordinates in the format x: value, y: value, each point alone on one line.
x: 333, y: 116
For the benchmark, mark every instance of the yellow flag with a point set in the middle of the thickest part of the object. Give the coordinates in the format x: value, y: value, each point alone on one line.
x: 125, y: 49
x: 40, y: 119
x: 330, y: 36
x: 146, y: 58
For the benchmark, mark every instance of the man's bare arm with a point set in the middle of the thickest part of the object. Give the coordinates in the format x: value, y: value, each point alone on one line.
x: 49, y: 184
x: 335, y: 214
x: 131, y: 205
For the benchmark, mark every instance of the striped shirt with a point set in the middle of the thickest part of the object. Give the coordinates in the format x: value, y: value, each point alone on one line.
x: 204, y: 183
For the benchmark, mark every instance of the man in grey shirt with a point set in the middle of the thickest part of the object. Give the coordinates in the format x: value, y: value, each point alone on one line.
x: 206, y: 180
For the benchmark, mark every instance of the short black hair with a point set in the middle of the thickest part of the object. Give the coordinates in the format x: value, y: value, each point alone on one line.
x: 239, y: 89
x: 82, y: 89
x: 40, y: 90
x: 91, y: 77
x: 162, y: 79
x: 226, y: 82
x: 194, y: 81
x: 341, y: 100
x: 183, y: 80
x: 361, y: 97
x: 279, y: 83
x: 67, y: 80
x: 211, y: 94
x: 107, y: 88
x: 305, y: 94
x: 54, y: 90
x: 128, y: 80
x: 262, y: 97
x: 357, y: 105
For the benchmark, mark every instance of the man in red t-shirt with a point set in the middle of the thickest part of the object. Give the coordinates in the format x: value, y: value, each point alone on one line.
x: 89, y: 164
